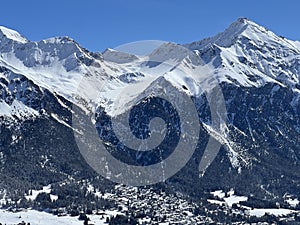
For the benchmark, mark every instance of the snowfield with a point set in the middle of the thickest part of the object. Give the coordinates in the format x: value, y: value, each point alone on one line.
x: 42, y: 218
x: 275, y: 212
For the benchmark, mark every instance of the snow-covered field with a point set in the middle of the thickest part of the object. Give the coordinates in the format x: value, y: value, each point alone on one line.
x: 258, y: 212
x: 275, y: 212
x: 42, y: 218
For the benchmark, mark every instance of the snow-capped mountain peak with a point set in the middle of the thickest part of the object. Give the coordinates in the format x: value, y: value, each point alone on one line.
x: 241, y: 30
x: 245, y: 54
x: 248, y: 54
x: 169, y: 51
x: 12, y: 35
x: 113, y: 55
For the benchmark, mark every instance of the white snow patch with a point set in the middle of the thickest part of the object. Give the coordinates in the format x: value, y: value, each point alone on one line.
x: 218, y: 193
x: 17, y: 108
x: 144, y: 220
x: 232, y: 199
x: 293, y: 202
x: 217, y: 202
x: 297, y: 43
x: 35, y: 193
x: 235, y: 199
x: 275, y: 212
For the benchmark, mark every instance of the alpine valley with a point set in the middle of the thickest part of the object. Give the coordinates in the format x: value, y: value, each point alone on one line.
x: 254, y: 178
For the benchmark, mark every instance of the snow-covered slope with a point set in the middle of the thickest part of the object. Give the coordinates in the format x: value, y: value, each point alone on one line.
x: 42, y: 218
x: 244, y: 54
x: 250, y: 55
x: 12, y: 35
x: 118, y: 57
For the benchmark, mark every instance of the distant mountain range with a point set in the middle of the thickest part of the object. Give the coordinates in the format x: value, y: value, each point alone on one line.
x: 43, y: 83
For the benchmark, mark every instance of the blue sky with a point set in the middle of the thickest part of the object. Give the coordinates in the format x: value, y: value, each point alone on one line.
x: 98, y: 24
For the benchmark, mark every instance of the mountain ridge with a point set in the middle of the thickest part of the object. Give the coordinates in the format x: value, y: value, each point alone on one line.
x: 43, y: 83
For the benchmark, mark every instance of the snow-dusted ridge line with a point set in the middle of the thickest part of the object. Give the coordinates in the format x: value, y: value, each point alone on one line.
x: 245, y: 54
x: 11, y: 34
x: 236, y: 29
x: 118, y: 57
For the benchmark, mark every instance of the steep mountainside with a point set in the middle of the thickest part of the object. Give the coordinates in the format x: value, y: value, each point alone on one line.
x: 43, y: 83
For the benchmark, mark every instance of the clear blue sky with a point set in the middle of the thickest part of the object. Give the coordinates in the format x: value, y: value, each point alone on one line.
x: 98, y: 24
